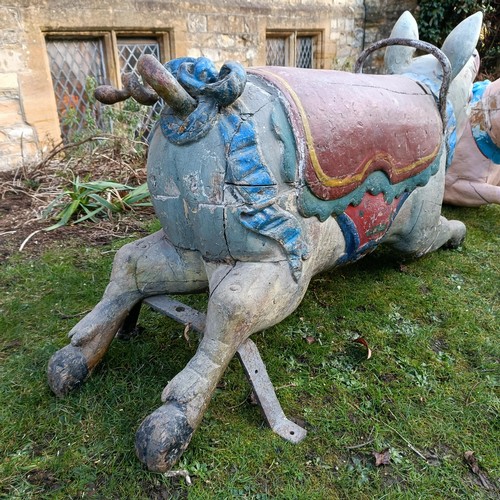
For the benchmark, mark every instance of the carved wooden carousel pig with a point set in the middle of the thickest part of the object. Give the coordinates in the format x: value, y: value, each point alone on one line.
x: 473, y: 178
x: 262, y: 179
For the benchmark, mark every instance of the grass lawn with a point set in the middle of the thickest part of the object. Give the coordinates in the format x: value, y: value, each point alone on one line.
x: 427, y: 396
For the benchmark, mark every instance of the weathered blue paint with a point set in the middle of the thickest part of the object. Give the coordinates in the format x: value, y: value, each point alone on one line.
x: 478, y: 90
x: 248, y: 178
x: 485, y: 144
x: 283, y: 131
x: 244, y: 162
x: 251, y: 181
x: 210, y: 88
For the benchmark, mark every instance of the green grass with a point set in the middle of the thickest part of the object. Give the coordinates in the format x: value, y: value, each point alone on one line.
x: 429, y: 389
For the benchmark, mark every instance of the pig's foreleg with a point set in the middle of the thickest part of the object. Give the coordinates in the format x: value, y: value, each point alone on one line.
x: 146, y: 267
x: 245, y: 298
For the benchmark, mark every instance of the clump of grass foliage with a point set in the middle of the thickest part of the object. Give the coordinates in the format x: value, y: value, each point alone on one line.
x: 93, y: 199
x: 425, y: 400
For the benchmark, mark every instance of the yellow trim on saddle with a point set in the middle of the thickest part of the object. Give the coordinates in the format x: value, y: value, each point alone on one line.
x: 325, y: 179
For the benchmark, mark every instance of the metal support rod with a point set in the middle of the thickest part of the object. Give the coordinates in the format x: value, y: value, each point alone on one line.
x: 248, y: 354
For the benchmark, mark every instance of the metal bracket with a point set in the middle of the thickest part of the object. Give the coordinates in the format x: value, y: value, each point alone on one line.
x: 248, y: 354
x: 256, y: 373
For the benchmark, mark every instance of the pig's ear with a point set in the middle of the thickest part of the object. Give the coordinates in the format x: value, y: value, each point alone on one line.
x: 461, y: 42
x: 398, y: 57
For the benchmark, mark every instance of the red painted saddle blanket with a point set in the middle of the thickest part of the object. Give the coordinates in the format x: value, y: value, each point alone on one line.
x: 350, y: 125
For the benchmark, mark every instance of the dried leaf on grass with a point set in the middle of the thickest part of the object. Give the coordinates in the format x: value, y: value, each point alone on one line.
x: 361, y: 340
x: 382, y: 458
x: 187, y: 327
x: 252, y: 399
x: 179, y: 473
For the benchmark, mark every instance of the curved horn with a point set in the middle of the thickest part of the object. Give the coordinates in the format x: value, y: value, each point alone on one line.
x: 140, y: 93
x: 397, y: 58
x: 166, y: 85
x: 109, y: 95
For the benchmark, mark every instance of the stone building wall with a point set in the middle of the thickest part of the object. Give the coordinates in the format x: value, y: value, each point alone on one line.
x: 219, y: 29
x: 379, y: 19
x: 18, y: 140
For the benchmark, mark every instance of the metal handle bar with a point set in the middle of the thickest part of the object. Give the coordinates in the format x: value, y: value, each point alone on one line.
x: 417, y: 44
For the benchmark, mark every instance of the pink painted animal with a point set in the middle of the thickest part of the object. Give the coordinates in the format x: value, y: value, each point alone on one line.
x: 473, y: 178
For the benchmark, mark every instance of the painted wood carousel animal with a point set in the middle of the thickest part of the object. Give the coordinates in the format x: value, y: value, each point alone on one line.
x: 262, y: 179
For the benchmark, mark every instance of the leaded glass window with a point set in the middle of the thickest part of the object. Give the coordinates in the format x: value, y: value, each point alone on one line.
x: 305, y: 52
x: 72, y: 62
x: 129, y: 51
x: 74, y: 58
x: 291, y: 49
x: 276, y: 51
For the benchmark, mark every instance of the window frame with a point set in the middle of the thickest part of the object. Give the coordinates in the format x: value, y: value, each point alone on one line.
x: 164, y: 39
x: 109, y: 40
x: 110, y: 45
x: 290, y: 37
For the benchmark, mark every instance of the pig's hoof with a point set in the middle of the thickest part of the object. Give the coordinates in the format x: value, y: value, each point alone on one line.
x: 67, y: 370
x: 162, y: 437
x: 458, y: 231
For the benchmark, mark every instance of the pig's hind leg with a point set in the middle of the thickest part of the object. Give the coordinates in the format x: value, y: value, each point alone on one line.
x: 419, y: 228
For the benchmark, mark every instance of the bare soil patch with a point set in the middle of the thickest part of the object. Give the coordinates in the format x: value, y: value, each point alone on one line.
x: 26, y: 192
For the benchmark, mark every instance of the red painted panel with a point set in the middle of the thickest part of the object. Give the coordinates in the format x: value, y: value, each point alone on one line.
x: 353, y: 125
x: 372, y: 217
